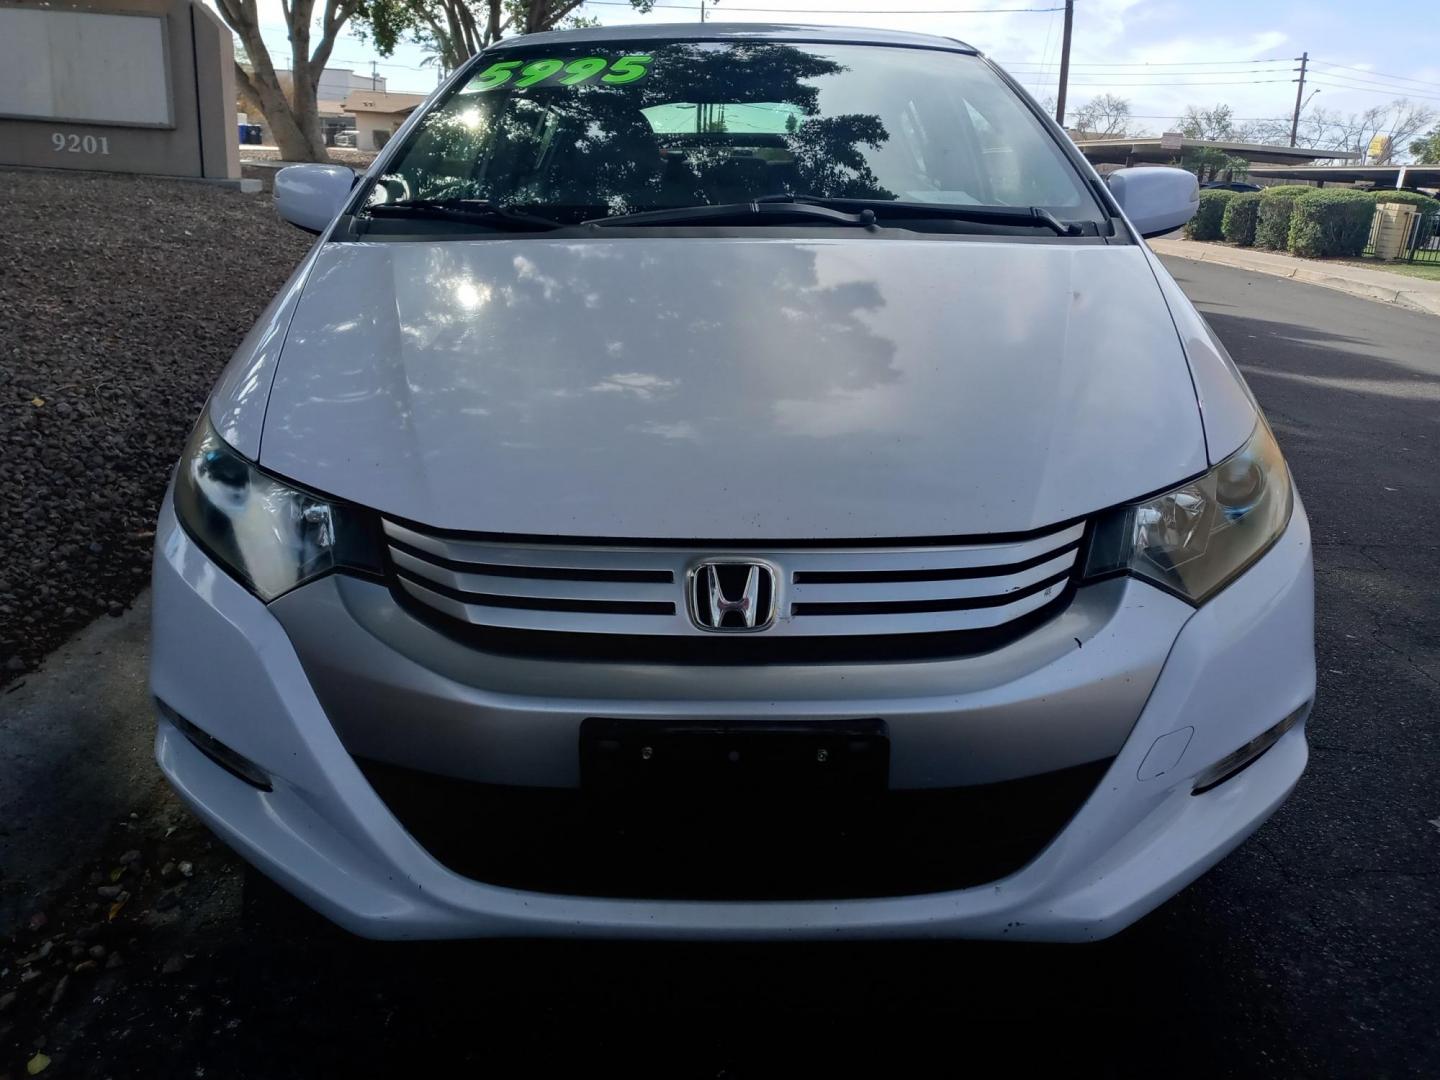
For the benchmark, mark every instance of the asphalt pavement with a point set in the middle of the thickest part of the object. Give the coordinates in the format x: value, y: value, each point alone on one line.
x: 1313, y: 950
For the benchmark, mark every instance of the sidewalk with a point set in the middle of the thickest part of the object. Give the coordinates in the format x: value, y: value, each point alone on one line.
x: 1415, y: 293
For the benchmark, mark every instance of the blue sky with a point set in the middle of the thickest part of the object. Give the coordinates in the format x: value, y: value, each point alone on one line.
x: 1161, y: 54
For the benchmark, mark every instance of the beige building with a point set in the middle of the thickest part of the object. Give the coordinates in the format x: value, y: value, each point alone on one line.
x: 379, y: 114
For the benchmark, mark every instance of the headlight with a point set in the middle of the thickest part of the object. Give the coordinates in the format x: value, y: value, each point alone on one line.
x: 268, y: 534
x: 1196, y: 539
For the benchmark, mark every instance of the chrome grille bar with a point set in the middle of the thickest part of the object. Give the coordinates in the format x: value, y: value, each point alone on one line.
x: 821, y: 591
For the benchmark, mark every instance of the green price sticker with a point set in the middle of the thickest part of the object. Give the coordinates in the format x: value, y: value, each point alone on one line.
x: 522, y: 75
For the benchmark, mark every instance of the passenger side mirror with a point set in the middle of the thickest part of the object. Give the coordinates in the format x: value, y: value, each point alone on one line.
x: 1156, y: 200
x: 311, y: 195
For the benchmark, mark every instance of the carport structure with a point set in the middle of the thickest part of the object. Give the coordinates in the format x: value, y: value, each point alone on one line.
x: 1167, y: 149
x: 1381, y: 176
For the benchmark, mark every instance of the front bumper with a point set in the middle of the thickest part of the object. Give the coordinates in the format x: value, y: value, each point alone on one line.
x: 1231, y: 670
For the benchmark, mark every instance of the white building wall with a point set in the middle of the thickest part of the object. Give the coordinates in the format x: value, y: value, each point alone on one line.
x: 336, y: 83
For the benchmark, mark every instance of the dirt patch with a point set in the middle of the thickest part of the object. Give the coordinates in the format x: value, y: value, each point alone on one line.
x: 262, y: 164
x: 123, y: 297
x: 339, y: 155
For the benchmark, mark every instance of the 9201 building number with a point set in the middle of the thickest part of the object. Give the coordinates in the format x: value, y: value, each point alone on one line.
x: 79, y: 144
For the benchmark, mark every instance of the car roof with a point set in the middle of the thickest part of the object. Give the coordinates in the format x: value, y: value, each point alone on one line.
x: 722, y: 31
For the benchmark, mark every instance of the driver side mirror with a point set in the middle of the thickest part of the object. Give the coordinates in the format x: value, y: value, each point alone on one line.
x: 311, y: 195
x: 1156, y: 200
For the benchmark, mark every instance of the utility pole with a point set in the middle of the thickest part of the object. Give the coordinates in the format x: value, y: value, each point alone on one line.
x: 1064, y: 63
x: 702, y: 10
x: 1304, y: 59
x: 375, y: 75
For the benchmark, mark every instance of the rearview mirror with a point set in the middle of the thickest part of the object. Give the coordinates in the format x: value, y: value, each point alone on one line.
x: 311, y: 195
x: 1156, y: 200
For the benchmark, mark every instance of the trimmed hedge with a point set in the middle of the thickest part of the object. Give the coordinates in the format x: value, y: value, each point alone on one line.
x: 1331, y: 222
x: 1241, y: 212
x: 1279, y: 190
x: 1424, y: 203
x: 1205, y: 225
x: 1272, y: 224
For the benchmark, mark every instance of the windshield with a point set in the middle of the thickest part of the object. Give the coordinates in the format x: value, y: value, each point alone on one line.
x: 603, y: 130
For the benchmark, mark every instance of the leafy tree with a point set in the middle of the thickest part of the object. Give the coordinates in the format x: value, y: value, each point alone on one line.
x: 1215, y: 124
x: 1208, y: 163
x: 291, y: 111
x: 455, y: 30
x: 1106, y: 115
x: 1426, y: 149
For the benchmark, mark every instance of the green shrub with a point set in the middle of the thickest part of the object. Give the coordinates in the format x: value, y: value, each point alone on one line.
x: 1272, y: 224
x: 1205, y: 225
x: 1238, y: 224
x: 1331, y: 222
x: 1423, y: 203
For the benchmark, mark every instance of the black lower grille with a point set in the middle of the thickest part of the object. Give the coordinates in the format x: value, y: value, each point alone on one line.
x: 892, y: 844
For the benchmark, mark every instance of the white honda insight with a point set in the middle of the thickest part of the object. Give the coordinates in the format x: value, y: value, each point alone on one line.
x: 732, y: 482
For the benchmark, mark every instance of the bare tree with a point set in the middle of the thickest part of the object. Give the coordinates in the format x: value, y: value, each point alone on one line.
x: 294, y: 117
x: 1398, y: 123
x: 1216, y: 123
x: 1401, y: 121
x: 1105, y: 115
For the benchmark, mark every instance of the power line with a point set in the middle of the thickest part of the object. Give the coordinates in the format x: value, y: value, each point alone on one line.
x: 1378, y: 74
x: 845, y: 11
x: 1256, y: 65
x: 381, y: 63
x: 1164, y: 74
x: 1038, y: 79
x: 1169, y: 74
x: 1389, y: 87
x: 1372, y: 90
x: 1181, y: 116
x: 1177, y: 63
x: 1189, y: 63
x: 1239, y: 82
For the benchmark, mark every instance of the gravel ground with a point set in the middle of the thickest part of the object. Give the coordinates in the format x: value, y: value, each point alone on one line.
x: 122, y: 298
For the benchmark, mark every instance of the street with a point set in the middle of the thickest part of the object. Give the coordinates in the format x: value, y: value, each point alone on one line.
x: 1313, y: 950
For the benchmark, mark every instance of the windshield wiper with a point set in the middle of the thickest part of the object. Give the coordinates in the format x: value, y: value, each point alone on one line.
x: 862, y: 212
x: 744, y: 213
x: 1034, y: 216
x: 477, y: 211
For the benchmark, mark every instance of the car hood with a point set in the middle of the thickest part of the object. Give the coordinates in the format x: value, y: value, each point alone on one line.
x: 732, y: 388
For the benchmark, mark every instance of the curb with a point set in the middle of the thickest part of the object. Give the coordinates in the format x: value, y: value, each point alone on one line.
x: 1426, y: 302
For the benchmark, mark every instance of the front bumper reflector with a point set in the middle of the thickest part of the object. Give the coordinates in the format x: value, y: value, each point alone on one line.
x: 241, y: 768
x: 1235, y: 763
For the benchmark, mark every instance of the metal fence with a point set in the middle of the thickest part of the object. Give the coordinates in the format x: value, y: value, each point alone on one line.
x: 1424, y: 243
x: 1421, y: 246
